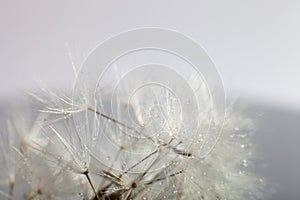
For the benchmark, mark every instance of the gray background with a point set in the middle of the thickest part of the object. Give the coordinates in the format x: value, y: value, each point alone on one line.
x: 254, y: 44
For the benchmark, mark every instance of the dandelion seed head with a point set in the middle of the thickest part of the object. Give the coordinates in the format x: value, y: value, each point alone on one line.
x: 147, y: 121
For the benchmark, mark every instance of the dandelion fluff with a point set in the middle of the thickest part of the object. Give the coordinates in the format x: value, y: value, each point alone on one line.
x: 146, y: 121
x: 159, y: 106
x: 105, y: 77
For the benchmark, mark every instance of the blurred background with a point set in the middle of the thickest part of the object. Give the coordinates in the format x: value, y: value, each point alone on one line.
x: 254, y: 44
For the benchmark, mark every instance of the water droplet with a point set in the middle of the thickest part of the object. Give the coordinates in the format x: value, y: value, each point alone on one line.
x: 245, y: 163
x: 80, y: 194
x: 261, y: 180
x: 188, y: 101
x: 242, y: 135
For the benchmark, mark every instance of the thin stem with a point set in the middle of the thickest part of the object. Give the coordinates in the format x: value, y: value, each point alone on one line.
x: 163, y: 178
x: 112, y: 119
x: 11, y: 189
x: 118, y: 122
x: 139, y: 162
x: 111, y: 167
x: 86, y: 173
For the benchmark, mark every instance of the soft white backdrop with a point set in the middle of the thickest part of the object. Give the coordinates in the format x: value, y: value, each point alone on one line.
x: 255, y: 44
